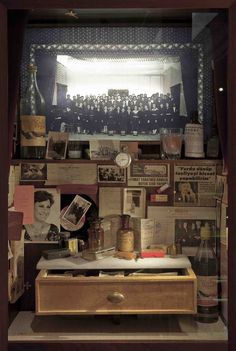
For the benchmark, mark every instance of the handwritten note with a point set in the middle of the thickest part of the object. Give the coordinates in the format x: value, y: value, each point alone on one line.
x: 24, y: 202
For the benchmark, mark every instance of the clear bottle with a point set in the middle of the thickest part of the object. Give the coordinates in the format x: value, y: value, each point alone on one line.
x: 125, y: 236
x: 194, y: 137
x: 33, y: 120
x: 205, y: 267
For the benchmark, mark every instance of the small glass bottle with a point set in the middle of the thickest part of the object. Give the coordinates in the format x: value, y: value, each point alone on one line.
x: 99, y: 232
x: 63, y: 240
x: 125, y: 236
x: 205, y: 267
x: 194, y: 137
x: 33, y: 120
x: 96, y: 236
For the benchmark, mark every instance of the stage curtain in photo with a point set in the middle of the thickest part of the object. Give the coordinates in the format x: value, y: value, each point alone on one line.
x: 189, y: 68
x: 46, y: 77
x: 219, y: 30
x: 16, y: 25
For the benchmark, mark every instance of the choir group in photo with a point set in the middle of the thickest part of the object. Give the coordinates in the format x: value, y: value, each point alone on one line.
x: 115, y: 113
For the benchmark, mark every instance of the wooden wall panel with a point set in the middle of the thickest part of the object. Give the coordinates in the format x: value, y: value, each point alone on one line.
x: 232, y: 177
x: 3, y: 179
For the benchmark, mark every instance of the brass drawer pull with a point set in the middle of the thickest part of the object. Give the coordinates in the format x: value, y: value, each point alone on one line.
x: 115, y: 297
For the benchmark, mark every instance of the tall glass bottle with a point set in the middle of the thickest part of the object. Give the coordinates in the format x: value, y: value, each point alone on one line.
x: 32, y: 117
x: 125, y: 236
x: 205, y: 267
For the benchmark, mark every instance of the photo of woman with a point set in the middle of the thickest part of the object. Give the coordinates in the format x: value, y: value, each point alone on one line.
x: 46, y: 217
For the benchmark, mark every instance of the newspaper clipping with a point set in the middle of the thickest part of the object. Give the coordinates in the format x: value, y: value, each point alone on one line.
x: 194, y: 185
x: 175, y: 224
x: 148, y: 174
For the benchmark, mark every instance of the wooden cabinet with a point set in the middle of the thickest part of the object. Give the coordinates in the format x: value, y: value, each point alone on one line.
x: 13, y: 7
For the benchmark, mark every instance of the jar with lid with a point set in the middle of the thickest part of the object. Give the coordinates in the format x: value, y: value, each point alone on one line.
x: 125, y: 235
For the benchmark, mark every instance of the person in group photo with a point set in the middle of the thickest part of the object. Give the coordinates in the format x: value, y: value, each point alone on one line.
x: 42, y: 230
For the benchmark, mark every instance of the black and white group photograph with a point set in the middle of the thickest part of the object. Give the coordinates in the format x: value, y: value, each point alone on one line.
x: 187, y: 231
x: 111, y: 174
x: 105, y: 95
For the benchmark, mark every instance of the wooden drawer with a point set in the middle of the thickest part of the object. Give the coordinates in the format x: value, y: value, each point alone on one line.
x: 111, y: 295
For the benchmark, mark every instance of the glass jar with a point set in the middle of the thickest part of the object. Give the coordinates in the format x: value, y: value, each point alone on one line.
x: 125, y: 236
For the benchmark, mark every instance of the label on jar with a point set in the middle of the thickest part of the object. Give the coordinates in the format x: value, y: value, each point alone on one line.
x: 125, y: 241
x: 33, y: 130
x: 207, y: 291
x: 193, y: 138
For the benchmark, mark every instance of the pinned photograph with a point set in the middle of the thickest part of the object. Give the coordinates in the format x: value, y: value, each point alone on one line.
x: 57, y: 145
x: 134, y: 202
x: 46, y: 225
x: 75, y: 212
x: 111, y: 174
x: 33, y: 171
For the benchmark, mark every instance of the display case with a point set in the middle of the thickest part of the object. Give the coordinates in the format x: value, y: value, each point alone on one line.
x: 113, y: 80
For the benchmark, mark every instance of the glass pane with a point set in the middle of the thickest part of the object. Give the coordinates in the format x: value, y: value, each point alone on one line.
x: 130, y: 174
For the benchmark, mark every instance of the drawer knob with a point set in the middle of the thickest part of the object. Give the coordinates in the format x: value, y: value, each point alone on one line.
x: 115, y: 297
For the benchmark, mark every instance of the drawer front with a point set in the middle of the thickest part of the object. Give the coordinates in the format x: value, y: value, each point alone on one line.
x: 82, y: 297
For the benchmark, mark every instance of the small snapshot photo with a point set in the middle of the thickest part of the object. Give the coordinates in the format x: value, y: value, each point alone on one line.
x: 187, y: 231
x: 186, y: 193
x: 111, y: 174
x: 134, y: 202
x: 33, y: 171
x: 57, y: 145
x: 76, y: 210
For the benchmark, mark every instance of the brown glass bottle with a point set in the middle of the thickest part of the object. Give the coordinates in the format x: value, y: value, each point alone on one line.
x: 125, y: 236
x: 205, y: 267
x: 32, y: 118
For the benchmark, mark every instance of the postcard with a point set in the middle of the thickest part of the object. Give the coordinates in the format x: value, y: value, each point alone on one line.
x: 69, y: 173
x: 104, y: 149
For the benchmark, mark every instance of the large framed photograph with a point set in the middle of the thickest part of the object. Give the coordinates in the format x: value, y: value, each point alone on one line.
x: 134, y: 202
x: 109, y: 174
x: 143, y: 87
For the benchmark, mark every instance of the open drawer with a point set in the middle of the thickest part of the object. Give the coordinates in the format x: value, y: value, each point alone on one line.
x: 63, y: 295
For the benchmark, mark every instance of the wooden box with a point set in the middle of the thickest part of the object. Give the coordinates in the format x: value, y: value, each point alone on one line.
x: 63, y: 295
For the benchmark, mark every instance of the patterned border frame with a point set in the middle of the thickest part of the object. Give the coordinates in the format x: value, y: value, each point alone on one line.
x: 116, y: 47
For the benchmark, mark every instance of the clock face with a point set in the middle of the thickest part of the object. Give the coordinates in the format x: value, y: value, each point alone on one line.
x: 123, y: 159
